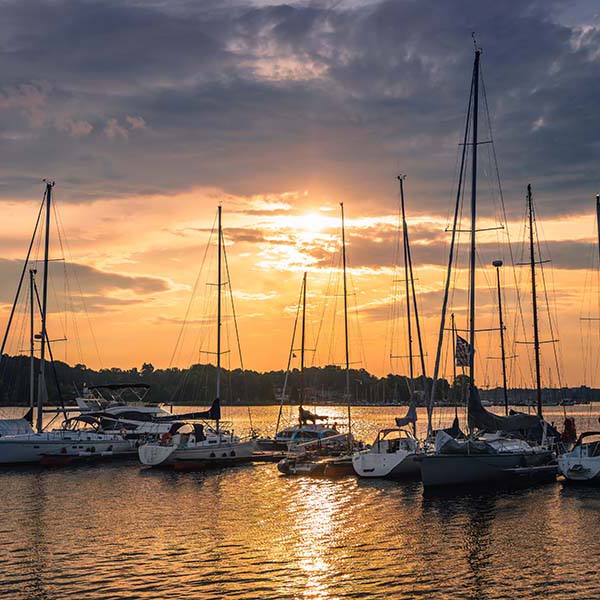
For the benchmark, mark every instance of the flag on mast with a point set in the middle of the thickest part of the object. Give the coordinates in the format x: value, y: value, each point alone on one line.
x: 463, y: 352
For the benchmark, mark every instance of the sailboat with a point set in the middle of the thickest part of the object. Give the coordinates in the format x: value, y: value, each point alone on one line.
x: 76, y: 438
x: 582, y: 463
x: 310, y: 427
x: 196, y: 440
x: 499, y: 448
x: 307, y: 458
x: 395, y: 451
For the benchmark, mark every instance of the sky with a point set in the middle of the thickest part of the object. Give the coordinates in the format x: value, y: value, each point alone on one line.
x: 148, y: 115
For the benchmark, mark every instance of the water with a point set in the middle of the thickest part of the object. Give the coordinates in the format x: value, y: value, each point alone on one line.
x: 117, y: 531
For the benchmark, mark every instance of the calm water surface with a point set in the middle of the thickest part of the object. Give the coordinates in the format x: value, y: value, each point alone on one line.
x: 120, y: 531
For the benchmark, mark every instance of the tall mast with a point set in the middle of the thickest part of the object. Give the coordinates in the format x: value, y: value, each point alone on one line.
x: 42, y: 391
x: 454, y: 365
x: 407, y: 284
x: 498, y: 264
x: 289, y: 363
x: 536, y: 333
x: 346, y: 329
x: 303, y: 339
x: 415, y: 306
x: 218, y: 394
x: 31, y: 338
x: 473, y: 256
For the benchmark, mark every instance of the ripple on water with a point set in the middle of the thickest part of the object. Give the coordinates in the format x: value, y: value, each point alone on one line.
x: 122, y: 532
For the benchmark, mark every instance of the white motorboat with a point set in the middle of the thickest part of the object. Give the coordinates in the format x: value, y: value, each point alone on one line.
x: 582, y: 464
x: 393, y: 455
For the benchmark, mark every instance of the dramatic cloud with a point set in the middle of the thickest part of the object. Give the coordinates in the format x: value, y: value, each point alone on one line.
x: 260, y: 98
x: 148, y: 115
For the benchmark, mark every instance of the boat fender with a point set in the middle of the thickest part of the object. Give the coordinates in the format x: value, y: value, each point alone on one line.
x: 166, y: 438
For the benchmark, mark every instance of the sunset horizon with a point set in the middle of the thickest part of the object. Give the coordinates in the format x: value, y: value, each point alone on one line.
x: 142, y: 160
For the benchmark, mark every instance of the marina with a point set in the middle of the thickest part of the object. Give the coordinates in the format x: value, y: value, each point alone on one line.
x: 299, y: 301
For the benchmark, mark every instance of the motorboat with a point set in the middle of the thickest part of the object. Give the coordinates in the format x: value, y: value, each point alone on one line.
x: 582, y: 463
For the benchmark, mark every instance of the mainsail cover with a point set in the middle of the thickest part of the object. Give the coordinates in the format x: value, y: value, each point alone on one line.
x: 484, y: 420
x: 17, y: 426
x: 409, y: 418
x: 212, y: 414
x: 304, y: 416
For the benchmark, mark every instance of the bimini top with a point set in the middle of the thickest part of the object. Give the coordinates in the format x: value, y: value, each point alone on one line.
x: 119, y: 386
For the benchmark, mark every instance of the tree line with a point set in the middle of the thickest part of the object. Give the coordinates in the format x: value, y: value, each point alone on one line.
x: 196, y: 385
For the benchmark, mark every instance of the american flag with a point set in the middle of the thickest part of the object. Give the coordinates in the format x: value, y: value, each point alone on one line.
x: 463, y: 352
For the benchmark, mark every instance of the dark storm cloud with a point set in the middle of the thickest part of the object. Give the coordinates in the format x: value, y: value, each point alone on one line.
x: 74, y: 285
x: 118, y: 98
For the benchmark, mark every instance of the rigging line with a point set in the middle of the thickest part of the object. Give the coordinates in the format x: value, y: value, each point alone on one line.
x: 49, y: 346
x: 393, y: 308
x: 178, y: 349
x: 289, y: 362
x: 18, y: 292
x: 450, y: 262
x: 187, y: 312
x: 63, y: 320
x: 237, y: 332
x: 332, y: 259
x: 550, y: 320
x: 503, y: 205
x: 60, y: 227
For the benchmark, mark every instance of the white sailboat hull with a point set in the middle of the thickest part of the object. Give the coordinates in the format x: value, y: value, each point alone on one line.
x: 221, y: 453
x: 397, y: 465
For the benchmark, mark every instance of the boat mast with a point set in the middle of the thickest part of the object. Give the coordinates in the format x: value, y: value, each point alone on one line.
x: 407, y: 286
x: 302, y: 343
x: 473, y: 255
x: 346, y: 329
x: 289, y: 363
x: 498, y: 264
x: 536, y: 333
x: 454, y: 366
x: 218, y: 394
x: 31, y: 338
x: 414, y: 296
x: 42, y: 391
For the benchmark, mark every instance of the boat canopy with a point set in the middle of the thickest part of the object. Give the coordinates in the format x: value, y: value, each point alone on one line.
x: 120, y: 386
x: 15, y: 427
